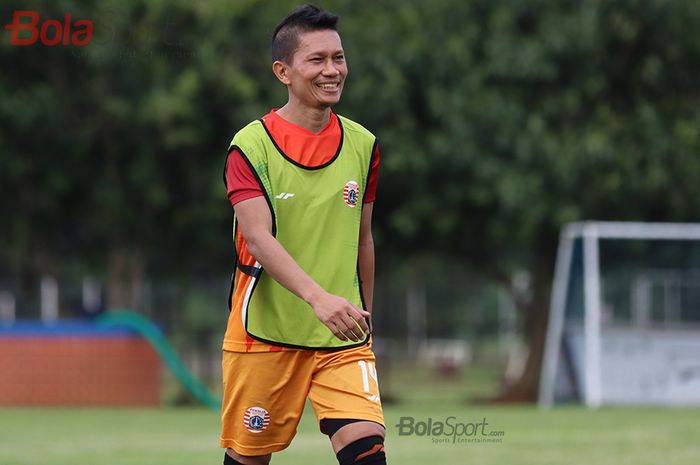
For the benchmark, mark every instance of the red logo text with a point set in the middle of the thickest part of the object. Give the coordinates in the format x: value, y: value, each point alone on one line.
x: 50, y: 32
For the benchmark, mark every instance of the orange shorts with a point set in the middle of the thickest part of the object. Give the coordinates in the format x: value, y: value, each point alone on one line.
x: 265, y: 393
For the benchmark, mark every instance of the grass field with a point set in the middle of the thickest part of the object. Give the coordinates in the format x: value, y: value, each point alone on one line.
x: 189, y: 436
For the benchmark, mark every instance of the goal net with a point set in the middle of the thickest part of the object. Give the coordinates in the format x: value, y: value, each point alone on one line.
x: 624, y: 318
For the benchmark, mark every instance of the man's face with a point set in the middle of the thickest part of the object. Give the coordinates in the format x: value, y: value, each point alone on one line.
x: 318, y: 70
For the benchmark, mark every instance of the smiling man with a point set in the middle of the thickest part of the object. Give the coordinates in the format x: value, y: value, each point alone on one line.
x: 302, y: 182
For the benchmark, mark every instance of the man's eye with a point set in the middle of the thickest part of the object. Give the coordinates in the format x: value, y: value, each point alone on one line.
x: 340, y: 58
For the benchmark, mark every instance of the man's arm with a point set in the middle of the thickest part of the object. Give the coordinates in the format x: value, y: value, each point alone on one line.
x: 366, y: 255
x: 339, y: 315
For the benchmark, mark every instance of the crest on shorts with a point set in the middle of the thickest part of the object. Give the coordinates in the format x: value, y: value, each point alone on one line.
x: 256, y: 419
x: 351, y: 193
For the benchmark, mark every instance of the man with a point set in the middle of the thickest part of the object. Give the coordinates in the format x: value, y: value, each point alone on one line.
x: 302, y: 182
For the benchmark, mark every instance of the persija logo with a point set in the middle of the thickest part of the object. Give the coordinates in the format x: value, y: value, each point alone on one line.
x: 50, y: 32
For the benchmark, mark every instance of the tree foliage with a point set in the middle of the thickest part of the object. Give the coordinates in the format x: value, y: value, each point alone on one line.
x: 499, y: 121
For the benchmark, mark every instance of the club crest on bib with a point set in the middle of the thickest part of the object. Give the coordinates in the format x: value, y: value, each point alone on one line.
x: 351, y: 193
x: 256, y: 419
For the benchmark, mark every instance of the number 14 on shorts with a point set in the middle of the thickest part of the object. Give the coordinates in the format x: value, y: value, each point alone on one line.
x: 369, y: 371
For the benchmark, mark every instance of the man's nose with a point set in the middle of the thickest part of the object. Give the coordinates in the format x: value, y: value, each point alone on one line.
x: 330, y: 69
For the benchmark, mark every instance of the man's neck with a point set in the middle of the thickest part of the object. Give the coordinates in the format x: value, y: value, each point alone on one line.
x: 313, y: 119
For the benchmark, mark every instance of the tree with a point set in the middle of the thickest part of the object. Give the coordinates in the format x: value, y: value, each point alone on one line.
x: 499, y: 121
x: 113, y: 150
x: 504, y: 120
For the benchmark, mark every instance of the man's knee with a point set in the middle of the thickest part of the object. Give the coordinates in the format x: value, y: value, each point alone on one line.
x: 357, y: 442
x: 364, y: 451
x: 231, y: 457
x: 344, y: 431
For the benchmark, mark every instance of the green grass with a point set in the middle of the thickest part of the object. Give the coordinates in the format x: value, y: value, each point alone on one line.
x: 179, y: 436
x: 411, y: 384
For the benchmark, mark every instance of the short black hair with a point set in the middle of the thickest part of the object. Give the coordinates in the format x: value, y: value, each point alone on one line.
x: 304, y: 18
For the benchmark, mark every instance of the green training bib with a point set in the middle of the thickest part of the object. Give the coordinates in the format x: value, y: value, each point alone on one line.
x: 316, y: 217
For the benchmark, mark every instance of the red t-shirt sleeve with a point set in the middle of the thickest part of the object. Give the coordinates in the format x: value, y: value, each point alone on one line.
x: 371, y: 192
x: 241, y: 183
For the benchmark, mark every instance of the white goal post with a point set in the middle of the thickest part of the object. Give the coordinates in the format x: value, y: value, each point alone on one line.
x: 579, y: 244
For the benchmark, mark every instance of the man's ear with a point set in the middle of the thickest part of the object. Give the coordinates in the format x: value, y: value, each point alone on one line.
x: 281, y: 70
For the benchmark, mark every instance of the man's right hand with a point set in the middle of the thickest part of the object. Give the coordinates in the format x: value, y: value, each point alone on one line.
x: 340, y: 316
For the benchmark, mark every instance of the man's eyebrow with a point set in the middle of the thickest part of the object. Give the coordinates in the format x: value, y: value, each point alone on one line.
x: 323, y: 53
